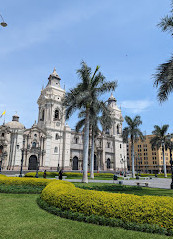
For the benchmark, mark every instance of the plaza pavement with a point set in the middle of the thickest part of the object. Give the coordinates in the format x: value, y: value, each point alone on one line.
x: 153, y: 183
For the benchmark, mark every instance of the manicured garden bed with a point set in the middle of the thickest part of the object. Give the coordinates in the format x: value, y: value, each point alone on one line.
x: 149, y: 214
x: 22, y: 218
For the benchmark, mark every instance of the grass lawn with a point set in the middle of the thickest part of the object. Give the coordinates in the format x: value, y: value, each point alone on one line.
x: 114, y: 188
x: 22, y: 218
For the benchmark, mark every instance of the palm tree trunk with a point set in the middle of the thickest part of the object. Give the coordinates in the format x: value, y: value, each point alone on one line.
x: 92, y: 158
x: 164, y: 164
x: 85, y: 149
x: 133, y: 161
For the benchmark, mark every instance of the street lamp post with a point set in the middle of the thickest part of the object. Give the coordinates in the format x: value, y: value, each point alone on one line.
x: 38, y: 163
x: 123, y: 161
x: 20, y: 175
x: 171, y: 162
x: 3, y: 24
x: 124, y: 167
x: 0, y: 165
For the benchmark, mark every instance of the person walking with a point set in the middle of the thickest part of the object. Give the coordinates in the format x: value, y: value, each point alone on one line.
x: 44, y: 174
x: 60, y: 174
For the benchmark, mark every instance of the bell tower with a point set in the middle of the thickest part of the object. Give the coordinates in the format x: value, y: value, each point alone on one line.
x: 116, y: 129
x: 51, y: 119
x: 51, y: 112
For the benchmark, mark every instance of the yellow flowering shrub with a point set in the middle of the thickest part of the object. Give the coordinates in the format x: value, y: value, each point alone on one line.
x: 24, y: 181
x: 131, y: 208
x: 32, y: 174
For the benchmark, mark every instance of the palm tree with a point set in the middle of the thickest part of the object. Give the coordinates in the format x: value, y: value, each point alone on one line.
x: 105, y: 120
x: 81, y: 97
x: 164, y: 75
x: 160, y: 140
x: 132, y: 131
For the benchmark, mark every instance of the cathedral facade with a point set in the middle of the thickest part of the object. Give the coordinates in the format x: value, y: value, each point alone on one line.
x: 51, y: 144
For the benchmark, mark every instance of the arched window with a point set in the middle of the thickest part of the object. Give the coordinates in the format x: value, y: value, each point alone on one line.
x: 34, y: 144
x: 56, y: 136
x: 56, y: 117
x: 56, y: 150
x: 42, y: 115
x: 118, y: 129
x: 107, y: 131
x: 108, y: 164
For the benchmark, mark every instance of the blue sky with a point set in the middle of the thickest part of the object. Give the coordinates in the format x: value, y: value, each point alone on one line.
x: 120, y: 36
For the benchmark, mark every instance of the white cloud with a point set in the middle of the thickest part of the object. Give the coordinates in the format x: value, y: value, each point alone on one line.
x: 136, y: 106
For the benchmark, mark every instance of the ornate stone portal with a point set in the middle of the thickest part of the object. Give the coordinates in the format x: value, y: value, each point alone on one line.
x: 52, y: 144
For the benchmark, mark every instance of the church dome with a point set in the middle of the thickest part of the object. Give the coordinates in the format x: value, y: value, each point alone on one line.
x: 15, y: 124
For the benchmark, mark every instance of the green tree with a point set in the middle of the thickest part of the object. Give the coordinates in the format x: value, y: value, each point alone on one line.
x: 133, y: 132
x: 163, y: 79
x: 160, y: 140
x: 104, y: 119
x: 81, y: 97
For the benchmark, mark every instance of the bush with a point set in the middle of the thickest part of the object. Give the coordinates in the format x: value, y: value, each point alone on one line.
x: 153, y: 175
x: 19, y: 189
x: 25, y: 185
x: 109, y: 187
x: 40, y: 174
x: 68, y: 174
x: 24, y: 181
x: 128, y: 208
x: 101, y: 220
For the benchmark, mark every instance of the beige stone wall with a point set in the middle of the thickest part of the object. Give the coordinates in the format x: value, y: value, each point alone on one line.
x: 148, y: 159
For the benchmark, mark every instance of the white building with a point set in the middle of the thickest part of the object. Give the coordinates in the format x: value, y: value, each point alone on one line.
x: 52, y: 144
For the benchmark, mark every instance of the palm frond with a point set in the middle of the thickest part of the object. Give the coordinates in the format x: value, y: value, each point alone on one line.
x: 164, y: 80
x: 128, y: 120
x: 107, y: 86
x: 166, y: 24
x: 137, y: 120
x: 126, y: 134
x: 80, y: 125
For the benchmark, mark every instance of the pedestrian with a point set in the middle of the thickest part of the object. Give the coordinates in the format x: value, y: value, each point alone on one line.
x: 44, y: 174
x: 60, y: 174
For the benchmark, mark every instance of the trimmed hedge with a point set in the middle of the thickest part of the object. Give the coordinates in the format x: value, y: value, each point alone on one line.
x: 69, y: 174
x: 40, y: 174
x: 24, y: 181
x: 128, y: 208
x: 153, y: 175
x: 21, y: 189
x: 25, y: 185
x: 101, y: 220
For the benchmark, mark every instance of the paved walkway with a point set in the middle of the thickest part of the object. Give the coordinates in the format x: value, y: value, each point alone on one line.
x: 153, y: 183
